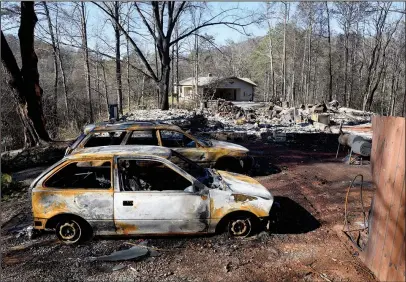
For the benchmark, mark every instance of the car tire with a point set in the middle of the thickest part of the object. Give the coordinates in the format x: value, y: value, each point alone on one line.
x: 72, y: 230
x: 241, y: 226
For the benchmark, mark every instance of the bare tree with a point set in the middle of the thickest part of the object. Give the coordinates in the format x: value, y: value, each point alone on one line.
x: 272, y: 73
x: 378, y: 55
x: 55, y: 59
x: 285, y: 15
x: 61, y: 64
x: 165, y: 15
x: 83, y: 23
x: 25, y: 82
x: 117, y: 34
x: 330, y: 68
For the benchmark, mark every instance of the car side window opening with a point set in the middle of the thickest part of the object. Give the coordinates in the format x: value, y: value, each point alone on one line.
x: 143, y: 137
x: 149, y: 175
x: 88, y: 175
x: 105, y: 138
x: 174, y: 139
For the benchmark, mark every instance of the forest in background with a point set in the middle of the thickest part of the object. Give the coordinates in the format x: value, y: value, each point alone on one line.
x: 153, y: 45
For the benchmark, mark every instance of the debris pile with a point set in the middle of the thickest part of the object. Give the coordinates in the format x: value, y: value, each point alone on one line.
x: 267, y: 121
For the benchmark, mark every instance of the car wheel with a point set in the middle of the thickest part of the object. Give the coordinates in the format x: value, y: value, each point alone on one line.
x: 71, y: 230
x: 240, y: 226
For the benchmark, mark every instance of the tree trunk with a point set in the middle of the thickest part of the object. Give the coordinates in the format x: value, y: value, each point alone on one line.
x: 284, y: 53
x: 128, y: 65
x: 309, y: 63
x: 172, y: 76
x: 141, y: 98
x: 118, y: 57
x: 302, y: 86
x: 97, y: 84
x: 352, y: 73
x: 61, y: 66
x: 106, y: 92
x: 177, y: 65
x: 293, y: 96
x: 16, y: 83
x: 196, y: 80
x: 266, y: 86
x: 164, y: 82
x: 346, y: 102
x: 330, y: 82
x: 29, y: 71
x: 128, y: 78
x: 54, y: 56
x: 383, y: 90
x: 86, y: 59
x: 273, y: 94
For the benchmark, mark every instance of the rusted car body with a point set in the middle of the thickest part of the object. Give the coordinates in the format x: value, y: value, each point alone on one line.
x: 208, y: 153
x: 136, y: 190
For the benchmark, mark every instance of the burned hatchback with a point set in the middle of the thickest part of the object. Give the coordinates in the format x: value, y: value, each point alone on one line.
x: 208, y: 153
x: 138, y: 190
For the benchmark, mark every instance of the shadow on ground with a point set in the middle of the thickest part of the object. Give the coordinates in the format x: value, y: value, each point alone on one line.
x: 263, y: 168
x: 288, y: 217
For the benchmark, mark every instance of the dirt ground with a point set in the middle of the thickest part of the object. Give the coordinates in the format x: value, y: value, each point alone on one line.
x: 308, y: 183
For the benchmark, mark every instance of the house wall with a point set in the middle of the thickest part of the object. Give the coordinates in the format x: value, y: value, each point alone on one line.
x: 245, y: 91
x: 187, y: 91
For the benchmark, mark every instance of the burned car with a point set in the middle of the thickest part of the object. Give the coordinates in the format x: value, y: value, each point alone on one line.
x: 136, y: 190
x: 208, y: 153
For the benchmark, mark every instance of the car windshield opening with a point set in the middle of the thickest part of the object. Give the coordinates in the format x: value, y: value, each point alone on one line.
x: 205, y: 141
x: 200, y: 173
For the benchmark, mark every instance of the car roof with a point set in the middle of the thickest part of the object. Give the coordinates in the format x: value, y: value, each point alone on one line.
x: 128, y: 125
x: 121, y: 150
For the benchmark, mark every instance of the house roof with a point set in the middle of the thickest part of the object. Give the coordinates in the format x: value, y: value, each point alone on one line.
x: 206, y: 80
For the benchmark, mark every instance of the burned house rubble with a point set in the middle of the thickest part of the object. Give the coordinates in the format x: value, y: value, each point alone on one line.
x: 226, y: 120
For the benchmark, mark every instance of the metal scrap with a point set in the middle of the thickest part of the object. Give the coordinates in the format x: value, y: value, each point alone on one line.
x: 132, y: 253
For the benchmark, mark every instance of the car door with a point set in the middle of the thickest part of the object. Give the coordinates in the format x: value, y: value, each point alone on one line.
x: 187, y: 146
x: 148, y: 199
x: 80, y: 187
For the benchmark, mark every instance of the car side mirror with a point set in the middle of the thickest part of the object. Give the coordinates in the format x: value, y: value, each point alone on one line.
x: 189, y: 189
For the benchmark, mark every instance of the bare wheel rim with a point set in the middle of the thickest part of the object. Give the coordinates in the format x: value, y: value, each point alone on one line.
x: 240, y: 227
x: 70, y: 231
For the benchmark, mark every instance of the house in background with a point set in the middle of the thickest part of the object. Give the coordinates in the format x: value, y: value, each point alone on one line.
x: 211, y: 87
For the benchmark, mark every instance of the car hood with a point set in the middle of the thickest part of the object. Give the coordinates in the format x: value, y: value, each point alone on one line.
x: 228, y: 145
x: 243, y: 184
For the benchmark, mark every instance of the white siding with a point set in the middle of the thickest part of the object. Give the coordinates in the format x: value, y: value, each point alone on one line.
x: 244, y: 91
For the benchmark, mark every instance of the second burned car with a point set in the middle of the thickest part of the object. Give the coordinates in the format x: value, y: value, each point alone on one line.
x: 207, y: 153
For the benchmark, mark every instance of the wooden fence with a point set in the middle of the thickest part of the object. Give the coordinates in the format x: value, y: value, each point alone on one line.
x: 385, y: 251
